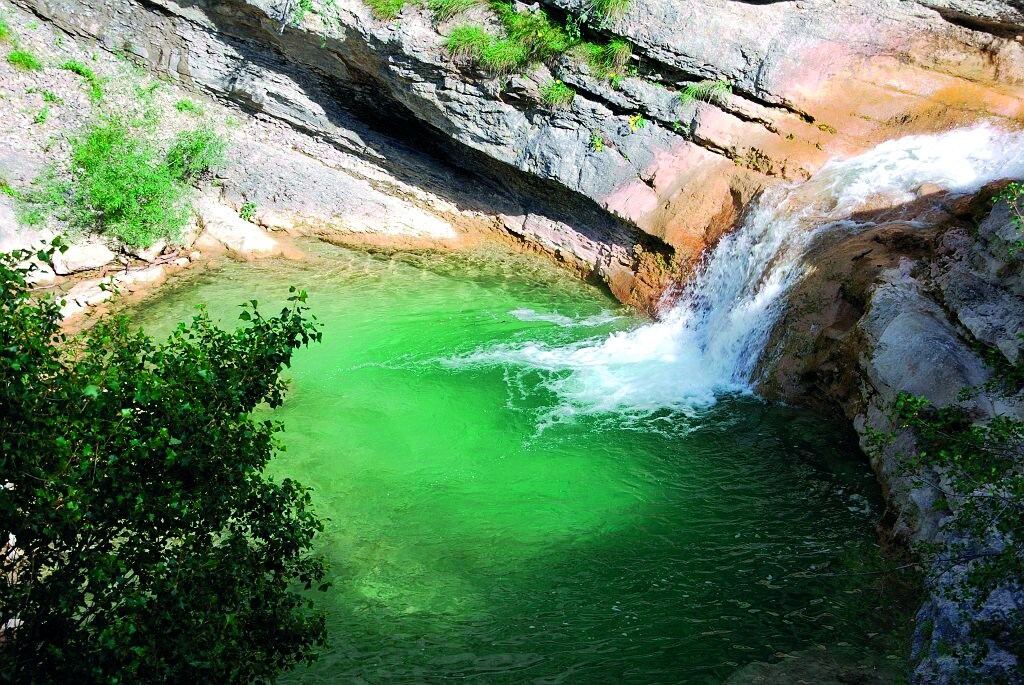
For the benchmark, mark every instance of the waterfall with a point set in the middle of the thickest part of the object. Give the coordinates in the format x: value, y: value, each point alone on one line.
x: 709, y: 341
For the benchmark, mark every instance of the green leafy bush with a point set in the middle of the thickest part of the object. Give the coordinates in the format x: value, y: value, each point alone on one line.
x: 557, y: 94
x: 123, y: 186
x: 247, y: 211
x: 94, y: 82
x: 1013, y: 196
x: 119, y: 183
x: 194, y: 153
x: 148, y: 543
x: 24, y: 60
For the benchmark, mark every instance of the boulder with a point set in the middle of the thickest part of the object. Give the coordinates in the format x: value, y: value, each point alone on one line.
x: 91, y: 292
x: 148, y: 254
x: 233, y: 232
x: 151, y: 275
x: 82, y: 256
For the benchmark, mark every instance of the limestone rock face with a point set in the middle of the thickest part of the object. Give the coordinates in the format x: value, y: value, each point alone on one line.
x: 810, y: 80
x: 905, y: 308
x: 996, y: 14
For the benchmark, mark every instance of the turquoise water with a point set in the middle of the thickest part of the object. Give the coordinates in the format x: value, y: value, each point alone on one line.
x: 480, y: 532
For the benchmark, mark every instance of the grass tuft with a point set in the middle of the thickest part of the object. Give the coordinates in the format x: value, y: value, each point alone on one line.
x: 706, y: 91
x: 608, y: 61
x: 387, y: 9
x: 5, y: 31
x: 24, y: 60
x: 42, y: 115
x: 444, y: 10
x: 468, y: 41
x: 610, y: 8
x: 504, y: 56
x: 94, y: 82
x: 557, y: 94
x: 541, y: 38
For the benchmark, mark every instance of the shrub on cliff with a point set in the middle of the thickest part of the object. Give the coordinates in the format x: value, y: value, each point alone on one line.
x: 974, y: 469
x: 142, y: 540
x: 120, y: 184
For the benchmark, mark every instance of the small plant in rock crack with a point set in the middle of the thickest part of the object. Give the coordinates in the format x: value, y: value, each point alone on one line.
x: 557, y: 94
x: 637, y: 122
x: 247, y: 211
x: 611, y: 9
x: 982, y: 491
x: 42, y: 115
x: 705, y: 91
x: 597, y: 143
x: 1013, y: 196
x: 7, y: 189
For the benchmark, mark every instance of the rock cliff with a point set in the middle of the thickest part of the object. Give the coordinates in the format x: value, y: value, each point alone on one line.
x: 809, y: 80
x: 909, y: 306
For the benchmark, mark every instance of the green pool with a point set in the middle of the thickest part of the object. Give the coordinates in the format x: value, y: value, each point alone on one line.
x: 483, y: 530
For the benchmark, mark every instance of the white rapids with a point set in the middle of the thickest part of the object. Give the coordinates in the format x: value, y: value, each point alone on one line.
x: 709, y: 341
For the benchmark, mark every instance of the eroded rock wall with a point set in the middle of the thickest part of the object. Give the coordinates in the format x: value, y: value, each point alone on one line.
x: 810, y: 80
x: 906, y: 307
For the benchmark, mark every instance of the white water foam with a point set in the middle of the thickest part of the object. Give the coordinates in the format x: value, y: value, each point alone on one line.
x: 563, y: 321
x: 710, y: 340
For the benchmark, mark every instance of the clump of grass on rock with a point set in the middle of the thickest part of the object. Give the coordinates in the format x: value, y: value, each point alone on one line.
x: 557, y: 94
x: 93, y: 81
x: 24, y: 60
x: 186, y: 106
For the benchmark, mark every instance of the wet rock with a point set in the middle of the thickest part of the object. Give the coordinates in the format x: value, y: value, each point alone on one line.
x: 905, y: 309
